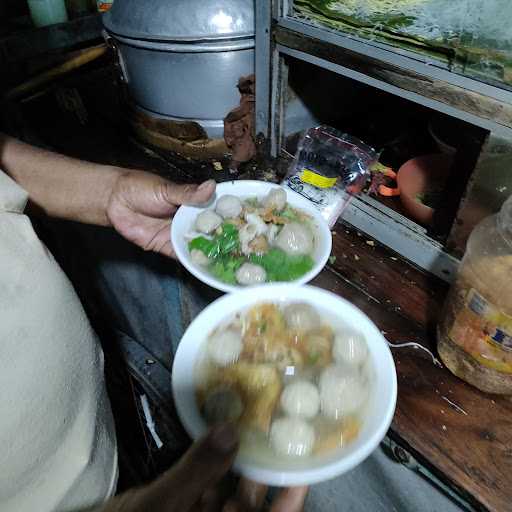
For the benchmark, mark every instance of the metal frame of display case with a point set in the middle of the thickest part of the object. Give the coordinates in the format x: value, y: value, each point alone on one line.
x: 399, y: 72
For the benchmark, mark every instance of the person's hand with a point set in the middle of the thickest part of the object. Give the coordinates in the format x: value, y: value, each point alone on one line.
x: 197, y: 483
x: 250, y: 497
x: 141, y: 206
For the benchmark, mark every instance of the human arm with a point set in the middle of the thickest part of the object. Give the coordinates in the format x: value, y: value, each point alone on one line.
x: 138, y: 204
x: 194, y: 484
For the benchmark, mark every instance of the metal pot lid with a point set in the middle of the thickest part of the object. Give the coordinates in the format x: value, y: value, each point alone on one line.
x: 181, y: 20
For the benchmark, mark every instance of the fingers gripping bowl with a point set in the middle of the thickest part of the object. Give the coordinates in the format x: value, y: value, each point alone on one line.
x: 307, y: 377
x: 253, y: 232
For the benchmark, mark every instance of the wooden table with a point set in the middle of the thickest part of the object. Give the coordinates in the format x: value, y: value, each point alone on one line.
x: 463, y: 436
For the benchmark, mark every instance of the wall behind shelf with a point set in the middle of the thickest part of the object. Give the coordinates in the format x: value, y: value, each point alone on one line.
x: 25, y: 50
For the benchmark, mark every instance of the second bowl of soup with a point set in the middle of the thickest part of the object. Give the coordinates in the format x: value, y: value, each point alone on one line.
x: 306, y: 376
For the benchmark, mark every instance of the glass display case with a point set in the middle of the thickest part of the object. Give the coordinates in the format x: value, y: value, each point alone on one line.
x: 470, y: 37
x: 445, y: 64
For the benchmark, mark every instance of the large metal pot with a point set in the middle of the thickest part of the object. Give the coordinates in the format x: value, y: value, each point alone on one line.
x: 182, y: 59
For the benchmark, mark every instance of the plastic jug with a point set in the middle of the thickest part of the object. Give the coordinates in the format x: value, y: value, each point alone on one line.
x: 475, y: 333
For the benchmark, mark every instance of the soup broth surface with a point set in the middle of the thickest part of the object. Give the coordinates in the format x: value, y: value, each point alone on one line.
x: 295, y: 380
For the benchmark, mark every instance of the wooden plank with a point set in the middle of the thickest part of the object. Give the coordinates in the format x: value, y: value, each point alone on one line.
x: 465, y: 100
x: 462, y: 435
x: 376, y: 271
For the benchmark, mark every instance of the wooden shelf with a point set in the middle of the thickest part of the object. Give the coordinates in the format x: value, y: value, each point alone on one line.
x: 400, y: 73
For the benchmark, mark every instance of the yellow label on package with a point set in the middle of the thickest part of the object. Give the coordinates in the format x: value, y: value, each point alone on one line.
x: 317, y: 180
x: 484, y: 331
x: 498, y: 324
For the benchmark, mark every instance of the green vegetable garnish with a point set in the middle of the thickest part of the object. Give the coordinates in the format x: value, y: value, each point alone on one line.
x: 208, y: 247
x: 225, y: 268
x: 223, y: 251
x: 289, y: 213
x: 313, y: 358
x: 224, y: 243
x: 282, y: 267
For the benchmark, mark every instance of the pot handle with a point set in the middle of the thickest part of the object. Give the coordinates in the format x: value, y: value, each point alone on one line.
x: 111, y: 43
x: 389, y: 191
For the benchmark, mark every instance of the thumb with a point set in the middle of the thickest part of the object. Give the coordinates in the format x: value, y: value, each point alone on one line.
x: 290, y: 500
x: 190, y: 194
x: 205, y: 464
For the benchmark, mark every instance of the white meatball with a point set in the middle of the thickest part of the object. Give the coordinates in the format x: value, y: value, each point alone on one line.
x: 229, y: 207
x: 208, y: 221
x: 295, y: 239
x: 275, y: 199
x: 350, y: 348
x: 301, y: 317
x: 222, y: 405
x: 199, y: 258
x: 300, y: 399
x: 342, y: 391
x: 292, y: 436
x: 249, y: 274
x: 225, y: 347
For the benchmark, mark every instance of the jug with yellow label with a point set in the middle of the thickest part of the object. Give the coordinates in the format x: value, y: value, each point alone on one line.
x: 475, y: 333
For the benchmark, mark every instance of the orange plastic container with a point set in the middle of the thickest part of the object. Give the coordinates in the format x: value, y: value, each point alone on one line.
x: 414, y: 179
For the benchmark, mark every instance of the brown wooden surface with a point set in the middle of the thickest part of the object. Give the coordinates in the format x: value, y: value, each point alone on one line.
x: 457, y: 97
x: 461, y: 434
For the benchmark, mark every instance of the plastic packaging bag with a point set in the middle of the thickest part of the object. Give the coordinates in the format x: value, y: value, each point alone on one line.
x: 329, y: 168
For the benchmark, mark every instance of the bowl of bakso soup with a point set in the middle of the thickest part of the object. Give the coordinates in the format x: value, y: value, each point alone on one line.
x: 252, y: 233
x: 306, y: 376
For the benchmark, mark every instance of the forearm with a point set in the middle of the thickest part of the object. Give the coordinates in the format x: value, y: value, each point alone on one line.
x: 60, y: 186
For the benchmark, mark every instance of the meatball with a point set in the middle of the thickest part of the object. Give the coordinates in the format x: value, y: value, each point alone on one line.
x: 292, y: 436
x: 225, y: 347
x: 208, y: 221
x: 295, y: 239
x: 301, y: 317
x: 342, y: 392
x: 350, y: 348
x: 229, y: 207
x: 300, y: 399
x: 199, y: 258
x: 249, y: 274
x: 275, y: 199
x: 222, y: 405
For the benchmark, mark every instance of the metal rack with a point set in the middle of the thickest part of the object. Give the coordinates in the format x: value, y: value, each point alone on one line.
x: 403, y: 73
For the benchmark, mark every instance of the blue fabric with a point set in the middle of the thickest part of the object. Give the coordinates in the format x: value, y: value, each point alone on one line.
x: 149, y: 301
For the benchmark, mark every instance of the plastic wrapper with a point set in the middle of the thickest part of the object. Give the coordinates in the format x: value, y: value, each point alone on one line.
x: 329, y: 168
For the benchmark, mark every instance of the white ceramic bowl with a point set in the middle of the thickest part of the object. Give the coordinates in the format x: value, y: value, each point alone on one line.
x: 379, y: 411
x: 183, y: 222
